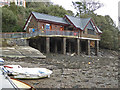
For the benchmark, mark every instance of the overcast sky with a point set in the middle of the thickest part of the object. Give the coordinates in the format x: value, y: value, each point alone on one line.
x: 110, y: 7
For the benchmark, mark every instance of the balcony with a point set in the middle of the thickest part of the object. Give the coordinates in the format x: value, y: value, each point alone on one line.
x: 40, y: 33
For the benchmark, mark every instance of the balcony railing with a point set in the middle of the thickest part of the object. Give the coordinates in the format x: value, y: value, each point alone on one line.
x: 39, y: 33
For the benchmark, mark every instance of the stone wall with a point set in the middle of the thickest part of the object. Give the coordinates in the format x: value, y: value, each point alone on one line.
x: 16, y: 42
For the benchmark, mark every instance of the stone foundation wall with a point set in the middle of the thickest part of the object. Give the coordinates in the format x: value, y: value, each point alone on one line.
x: 16, y: 42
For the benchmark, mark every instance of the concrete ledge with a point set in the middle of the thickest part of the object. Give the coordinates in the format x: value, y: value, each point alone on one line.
x: 21, y: 51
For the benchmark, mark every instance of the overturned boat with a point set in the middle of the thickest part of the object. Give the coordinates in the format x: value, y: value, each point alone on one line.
x: 26, y: 73
x: 8, y: 83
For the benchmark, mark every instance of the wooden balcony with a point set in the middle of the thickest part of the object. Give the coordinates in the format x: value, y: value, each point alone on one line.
x: 50, y: 33
x: 40, y: 33
x: 90, y: 36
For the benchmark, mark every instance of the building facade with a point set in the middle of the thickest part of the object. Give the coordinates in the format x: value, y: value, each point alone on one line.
x: 17, y: 2
x: 77, y: 34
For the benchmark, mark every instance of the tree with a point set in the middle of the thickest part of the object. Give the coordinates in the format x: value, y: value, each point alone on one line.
x: 8, y: 20
x: 70, y: 13
x: 86, y: 6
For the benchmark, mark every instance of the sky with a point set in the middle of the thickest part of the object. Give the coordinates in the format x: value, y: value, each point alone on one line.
x: 110, y: 7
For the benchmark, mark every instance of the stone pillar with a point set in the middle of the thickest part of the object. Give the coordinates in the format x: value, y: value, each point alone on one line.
x: 47, y: 45
x: 88, y: 47
x: 69, y: 47
x: 78, y: 46
x: 55, y: 46
x: 64, y: 45
x: 96, y: 47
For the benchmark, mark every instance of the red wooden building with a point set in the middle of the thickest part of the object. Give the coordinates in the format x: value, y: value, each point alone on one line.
x: 67, y: 34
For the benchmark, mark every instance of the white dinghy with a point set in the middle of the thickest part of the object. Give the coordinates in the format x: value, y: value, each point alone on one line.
x: 8, y: 83
x: 26, y: 73
x: 1, y: 61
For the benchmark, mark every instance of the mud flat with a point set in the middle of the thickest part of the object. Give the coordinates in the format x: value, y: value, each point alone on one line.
x: 74, y: 71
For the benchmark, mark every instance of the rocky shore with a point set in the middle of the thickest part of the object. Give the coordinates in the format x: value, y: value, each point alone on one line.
x: 72, y: 71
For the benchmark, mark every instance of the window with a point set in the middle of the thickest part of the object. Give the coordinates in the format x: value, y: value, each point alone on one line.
x: 21, y: 3
x: 48, y: 26
x: 91, y: 31
x: 30, y: 30
x: 83, y: 31
x: 43, y: 26
x: 17, y: 2
x: 61, y: 27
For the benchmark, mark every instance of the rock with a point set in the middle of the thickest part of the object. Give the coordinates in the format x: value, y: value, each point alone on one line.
x: 78, y: 81
x: 85, y: 80
x: 116, y: 64
x: 59, y: 81
x: 72, y: 54
x: 111, y: 57
x: 83, y: 72
x: 115, y: 53
x: 108, y: 84
x: 98, y: 82
x: 89, y: 73
x: 99, y: 76
x: 76, y: 86
x: 73, y: 76
x: 89, y: 77
x: 36, y: 83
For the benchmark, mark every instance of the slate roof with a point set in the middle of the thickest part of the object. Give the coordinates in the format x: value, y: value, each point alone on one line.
x: 49, y: 18
x: 82, y: 22
x: 79, y: 22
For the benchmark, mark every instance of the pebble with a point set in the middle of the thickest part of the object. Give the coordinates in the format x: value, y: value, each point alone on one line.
x: 59, y: 81
x: 85, y: 80
x: 89, y: 77
x: 83, y: 72
x: 98, y: 82
x: 108, y: 84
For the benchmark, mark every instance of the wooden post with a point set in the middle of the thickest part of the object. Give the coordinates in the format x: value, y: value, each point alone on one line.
x: 39, y: 46
x: 78, y: 46
x: 69, y: 47
x: 96, y: 47
x: 88, y: 47
x: 64, y: 45
x: 55, y: 46
x: 47, y: 45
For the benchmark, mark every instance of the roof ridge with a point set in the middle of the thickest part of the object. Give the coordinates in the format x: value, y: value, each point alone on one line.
x: 78, y: 17
x: 48, y: 15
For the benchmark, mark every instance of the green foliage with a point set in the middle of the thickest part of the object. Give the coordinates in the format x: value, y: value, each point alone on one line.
x: 14, y: 17
x: 8, y: 19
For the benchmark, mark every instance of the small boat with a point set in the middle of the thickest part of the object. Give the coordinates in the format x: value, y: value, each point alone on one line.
x: 1, y: 61
x: 21, y: 84
x: 8, y: 83
x: 26, y: 73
